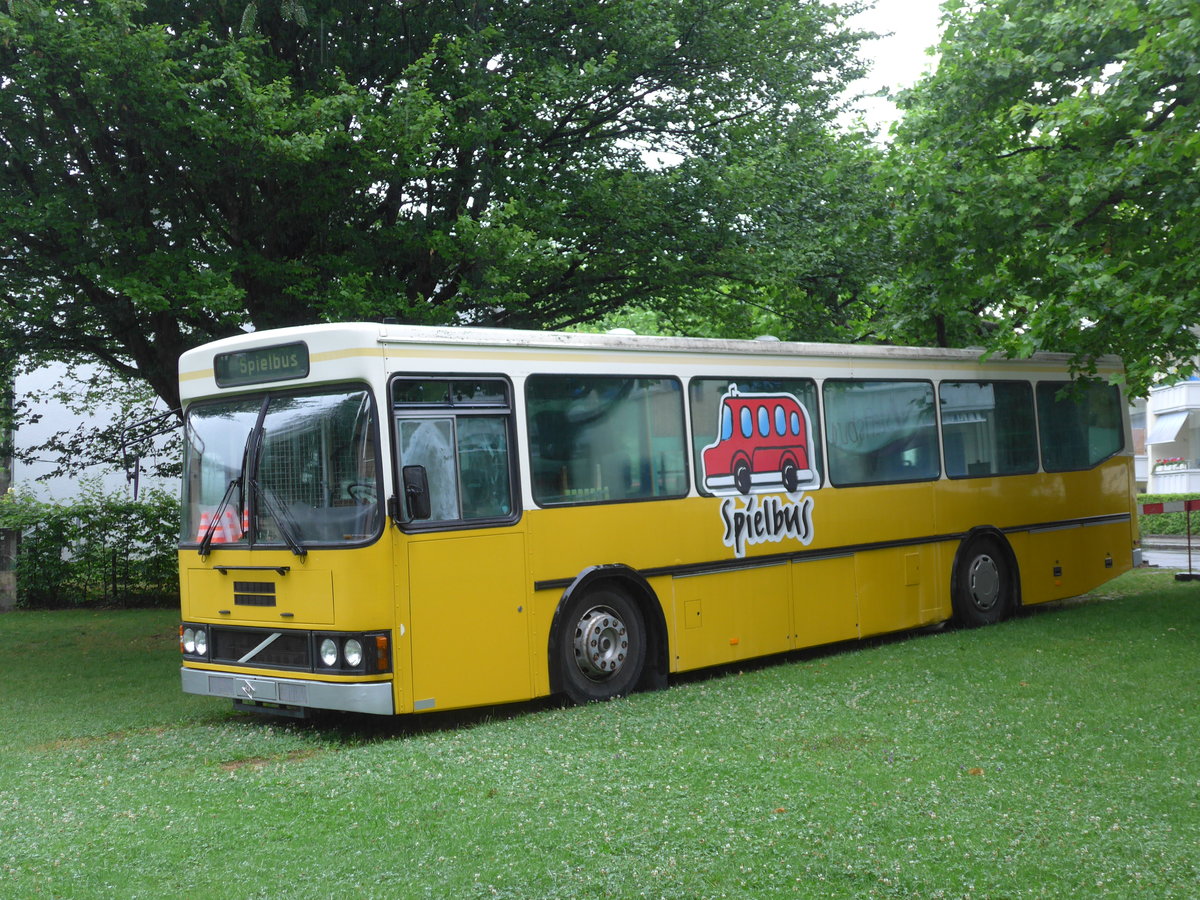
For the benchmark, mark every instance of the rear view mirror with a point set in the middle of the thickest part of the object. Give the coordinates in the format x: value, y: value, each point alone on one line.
x: 416, y: 492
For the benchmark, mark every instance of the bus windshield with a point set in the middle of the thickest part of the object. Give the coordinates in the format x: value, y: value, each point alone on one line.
x: 282, y: 469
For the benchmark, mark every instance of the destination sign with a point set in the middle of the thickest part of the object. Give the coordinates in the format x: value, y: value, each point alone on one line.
x: 262, y: 364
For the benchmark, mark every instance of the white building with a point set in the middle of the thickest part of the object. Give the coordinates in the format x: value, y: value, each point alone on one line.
x: 1168, y: 461
x: 57, y: 416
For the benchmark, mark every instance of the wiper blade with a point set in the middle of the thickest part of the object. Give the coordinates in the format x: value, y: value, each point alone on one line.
x: 287, y: 527
x: 207, y: 539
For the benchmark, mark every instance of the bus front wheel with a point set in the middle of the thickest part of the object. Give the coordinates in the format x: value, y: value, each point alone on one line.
x: 983, y: 587
x: 602, y: 650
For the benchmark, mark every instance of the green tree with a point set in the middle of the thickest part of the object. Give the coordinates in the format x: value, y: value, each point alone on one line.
x: 176, y: 170
x: 1045, y: 178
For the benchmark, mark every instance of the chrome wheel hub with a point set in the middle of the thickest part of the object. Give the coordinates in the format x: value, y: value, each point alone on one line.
x: 601, y: 643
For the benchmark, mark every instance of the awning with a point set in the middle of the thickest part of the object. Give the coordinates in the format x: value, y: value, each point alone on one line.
x: 1166, y: 427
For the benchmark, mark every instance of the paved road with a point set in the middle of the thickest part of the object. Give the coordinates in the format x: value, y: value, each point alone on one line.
x: 1173, y: 559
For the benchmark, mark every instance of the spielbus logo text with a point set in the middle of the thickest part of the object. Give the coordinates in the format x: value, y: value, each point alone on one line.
x: 766, y: 519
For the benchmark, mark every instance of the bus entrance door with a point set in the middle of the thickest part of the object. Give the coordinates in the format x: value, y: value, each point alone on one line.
x: 469, y: 622
x: 467, y: 588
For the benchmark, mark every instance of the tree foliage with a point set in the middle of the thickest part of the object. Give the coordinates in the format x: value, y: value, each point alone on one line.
x: 1046, y: 182
x: 175, y: 170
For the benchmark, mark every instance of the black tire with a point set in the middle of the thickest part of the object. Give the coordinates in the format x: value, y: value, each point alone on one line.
x: 601, y: 645
x: 741, y: 476
x: 983, y: 584
x: 790, y: 476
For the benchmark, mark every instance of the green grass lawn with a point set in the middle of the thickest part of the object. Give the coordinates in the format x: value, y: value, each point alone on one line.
x: 1054, y: 755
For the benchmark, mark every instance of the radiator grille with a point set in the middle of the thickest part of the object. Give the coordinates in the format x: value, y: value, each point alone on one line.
x: 254, y: 593
x: 254, y: 600
x: 254, y: 587
x: 291, y: 650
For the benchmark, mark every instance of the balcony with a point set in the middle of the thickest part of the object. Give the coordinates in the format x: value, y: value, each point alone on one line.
x: 1184, y: 479
x: 1176, y: 398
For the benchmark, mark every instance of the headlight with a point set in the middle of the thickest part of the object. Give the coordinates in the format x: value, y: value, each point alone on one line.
x: 201, y: 642
x: 353, y: 653
x: 188, y: 639
x: 329, y: 652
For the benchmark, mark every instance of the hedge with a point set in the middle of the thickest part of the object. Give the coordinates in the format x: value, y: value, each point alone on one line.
x: 1167, y: 523
x: 99, y: 550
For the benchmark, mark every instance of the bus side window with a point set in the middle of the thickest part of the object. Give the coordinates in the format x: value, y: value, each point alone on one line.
x: 604, y: 438
x: 988, y: 428
x: 881, y: 431
x: 483, y: 467
x: 466, y: 464
x: 1080, y: 424
x: 712, y: 421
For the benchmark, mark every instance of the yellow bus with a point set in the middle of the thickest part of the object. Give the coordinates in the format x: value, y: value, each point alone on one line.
x: 394, y: 519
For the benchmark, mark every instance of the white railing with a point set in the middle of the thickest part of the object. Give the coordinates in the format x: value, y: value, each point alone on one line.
x: 1185, y: 395
x: 1174, y: 481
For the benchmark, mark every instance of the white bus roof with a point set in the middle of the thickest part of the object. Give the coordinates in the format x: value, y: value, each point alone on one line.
x: 196, y: 365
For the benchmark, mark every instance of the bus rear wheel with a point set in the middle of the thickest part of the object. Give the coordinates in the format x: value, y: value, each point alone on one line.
x: 602, y: 649
x: 983, y: 590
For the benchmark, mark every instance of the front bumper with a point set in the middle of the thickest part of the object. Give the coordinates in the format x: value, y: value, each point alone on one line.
x: 375, y: 697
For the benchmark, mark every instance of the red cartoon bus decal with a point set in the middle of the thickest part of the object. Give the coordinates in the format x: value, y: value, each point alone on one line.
x: 763, y: 446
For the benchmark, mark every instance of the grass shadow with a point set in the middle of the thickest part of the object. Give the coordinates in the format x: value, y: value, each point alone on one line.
x: 354, y: 729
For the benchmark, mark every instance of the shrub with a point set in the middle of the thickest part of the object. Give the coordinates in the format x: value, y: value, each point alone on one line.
x: 99, y: 550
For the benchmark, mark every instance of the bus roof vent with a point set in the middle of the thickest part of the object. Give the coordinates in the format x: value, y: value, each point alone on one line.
x: 621, y: 331
x: 768, y: 338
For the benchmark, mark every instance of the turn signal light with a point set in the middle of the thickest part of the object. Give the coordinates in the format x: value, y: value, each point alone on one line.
x: 383, y: 661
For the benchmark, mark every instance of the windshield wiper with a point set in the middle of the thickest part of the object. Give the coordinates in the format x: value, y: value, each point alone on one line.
x: 287, y: 527
x: 207, y: 539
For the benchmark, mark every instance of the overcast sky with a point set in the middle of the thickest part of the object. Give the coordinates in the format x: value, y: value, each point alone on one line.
x: 899, y: 58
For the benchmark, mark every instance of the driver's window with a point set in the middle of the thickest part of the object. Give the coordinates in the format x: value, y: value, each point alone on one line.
x: 458, y: 430
x: 483, y: 467
x: 430, y: 443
